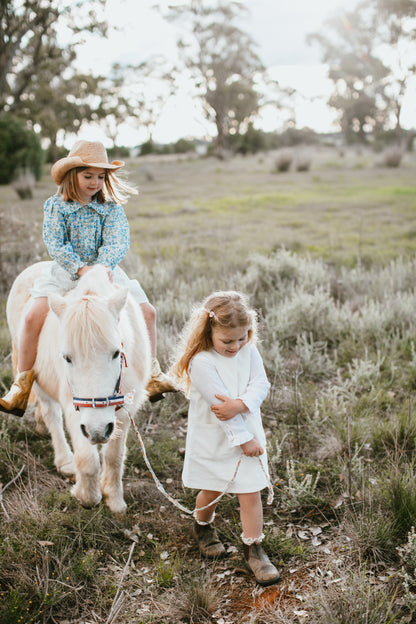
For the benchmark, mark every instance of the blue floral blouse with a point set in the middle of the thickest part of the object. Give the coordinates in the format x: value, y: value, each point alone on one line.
x: 76, y: 234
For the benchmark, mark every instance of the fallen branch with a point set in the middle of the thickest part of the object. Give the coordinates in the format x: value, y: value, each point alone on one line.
x: 120, y: 595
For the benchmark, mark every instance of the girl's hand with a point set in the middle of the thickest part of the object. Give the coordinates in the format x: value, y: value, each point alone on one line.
x: 87, y: 267
x: 252, y: 448
x: 228, y: 408
x: 109, y: 272
x: 84, y: 269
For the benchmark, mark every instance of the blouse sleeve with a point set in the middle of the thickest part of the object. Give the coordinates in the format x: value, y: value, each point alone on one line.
x: 56, y: 240
x: 115, y: 237
x: 206, y: 380
x: 258, y: 385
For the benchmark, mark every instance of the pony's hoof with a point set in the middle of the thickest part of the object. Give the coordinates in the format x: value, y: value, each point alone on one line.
x: 118, y: 508
x: 88, y: 502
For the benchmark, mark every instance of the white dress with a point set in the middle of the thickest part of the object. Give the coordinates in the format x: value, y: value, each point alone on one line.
x: 213, y: 446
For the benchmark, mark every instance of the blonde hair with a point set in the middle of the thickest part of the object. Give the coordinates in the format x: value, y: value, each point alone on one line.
x: 227, y: 309
x: 113, y: 188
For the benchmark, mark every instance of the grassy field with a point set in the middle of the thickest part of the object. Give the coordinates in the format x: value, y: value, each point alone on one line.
x: 327, y: 258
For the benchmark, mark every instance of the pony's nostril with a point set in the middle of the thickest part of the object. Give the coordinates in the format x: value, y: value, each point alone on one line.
x: 109, y: 430
x: 84, y: 431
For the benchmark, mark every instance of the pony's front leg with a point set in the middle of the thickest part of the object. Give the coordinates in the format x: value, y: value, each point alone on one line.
x: 113, y: 455
x: 87, y: 463
x: 51, y: 416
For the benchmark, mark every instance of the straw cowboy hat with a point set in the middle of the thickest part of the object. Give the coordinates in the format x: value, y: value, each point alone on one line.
x: 83, y: 154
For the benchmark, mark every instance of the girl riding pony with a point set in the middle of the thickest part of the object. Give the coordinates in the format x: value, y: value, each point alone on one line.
x: 84, y: 224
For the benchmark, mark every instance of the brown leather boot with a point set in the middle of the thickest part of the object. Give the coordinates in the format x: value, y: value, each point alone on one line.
x: 15, y: 401
x: 159, y: 383
x: 208, y: 541
x: 264, y: 571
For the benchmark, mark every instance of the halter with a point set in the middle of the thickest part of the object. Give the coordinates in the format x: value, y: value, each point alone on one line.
x: 116, y: 399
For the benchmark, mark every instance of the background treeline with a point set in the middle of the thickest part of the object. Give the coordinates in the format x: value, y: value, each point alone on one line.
x: 370, y: 52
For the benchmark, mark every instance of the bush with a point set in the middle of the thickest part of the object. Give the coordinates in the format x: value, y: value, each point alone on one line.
x: 20, y: 149
x: 392, y: 156
x: 147, y: 148
x: 303, y: 162
x: 24, y: 184
x: 250, y: 142
x: 182, y: 146
x: 118, y: 152
x: 283, y: 161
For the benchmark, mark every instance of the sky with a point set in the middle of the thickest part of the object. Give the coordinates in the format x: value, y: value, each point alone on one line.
x: 279, y: 28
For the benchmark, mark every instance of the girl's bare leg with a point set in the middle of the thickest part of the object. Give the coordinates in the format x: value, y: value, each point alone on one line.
x: 205, y: 497
x: 28, y: 345
x: 251, y: 514
x: 16, y: 399
x: 149, y: 314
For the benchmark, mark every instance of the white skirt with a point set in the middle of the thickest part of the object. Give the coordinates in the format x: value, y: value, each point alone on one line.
x: 55, y: 279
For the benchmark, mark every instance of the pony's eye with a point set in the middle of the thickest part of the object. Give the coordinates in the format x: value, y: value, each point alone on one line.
x: 116, y: 354
x: 67, y: 358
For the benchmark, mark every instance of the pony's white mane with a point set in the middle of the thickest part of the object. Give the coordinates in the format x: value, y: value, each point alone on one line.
x: 87, y: 316
x: 95, y: 282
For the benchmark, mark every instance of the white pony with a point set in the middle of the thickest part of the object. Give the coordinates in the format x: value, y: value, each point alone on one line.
x: 93, y: 351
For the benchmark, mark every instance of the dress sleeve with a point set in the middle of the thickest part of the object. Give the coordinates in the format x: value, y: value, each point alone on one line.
x: 115, y: 238
x: 258, y: 385
x: 56, y: 240
x: 206, y: 380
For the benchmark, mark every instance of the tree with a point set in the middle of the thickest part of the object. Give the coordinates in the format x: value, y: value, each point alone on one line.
x: 222, y: 63
x: 364, y: 51
x: 37, y: 79
x: 396, y: 28
x: 137, y: 94
x: 20, y: 149
x: 356, y: 72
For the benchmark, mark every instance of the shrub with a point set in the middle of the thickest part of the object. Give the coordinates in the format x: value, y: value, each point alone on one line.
x: 20, y: 149
x: 272, y: 278
x: 392, y: 156
x: 407, y: 554
x: 24, y: 184
x: 356, y: 599
x: 283, y: 161
x: 147, y: 148
x: 303, y: 163
x: 182, y: 146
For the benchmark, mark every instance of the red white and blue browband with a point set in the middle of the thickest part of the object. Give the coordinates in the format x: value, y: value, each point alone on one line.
x: 117, y: 399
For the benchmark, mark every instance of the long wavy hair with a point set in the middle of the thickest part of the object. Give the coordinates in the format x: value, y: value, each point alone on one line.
x: 113, y: 188
x: 227, y: 309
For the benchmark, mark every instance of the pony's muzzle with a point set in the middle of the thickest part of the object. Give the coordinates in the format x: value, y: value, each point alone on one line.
x: 97, y: 437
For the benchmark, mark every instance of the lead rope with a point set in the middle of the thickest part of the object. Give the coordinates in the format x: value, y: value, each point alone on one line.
x: 176, y: 503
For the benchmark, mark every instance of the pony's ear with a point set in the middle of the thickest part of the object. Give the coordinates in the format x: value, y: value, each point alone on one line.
x: 117, y: 302
x: 57, y: 304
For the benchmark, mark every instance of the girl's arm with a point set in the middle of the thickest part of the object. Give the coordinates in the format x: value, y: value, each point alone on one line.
x: 255, y: 393
x: 56, y: 241
x: 206, y: 380
x: 258, y: 385
x: 115, y: 238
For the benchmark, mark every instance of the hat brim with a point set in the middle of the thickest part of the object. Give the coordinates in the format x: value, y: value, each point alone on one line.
x: 62, y: 166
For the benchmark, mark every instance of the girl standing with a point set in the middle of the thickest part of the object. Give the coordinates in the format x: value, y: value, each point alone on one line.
x: 84, y: 224
x: 223, y: 373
